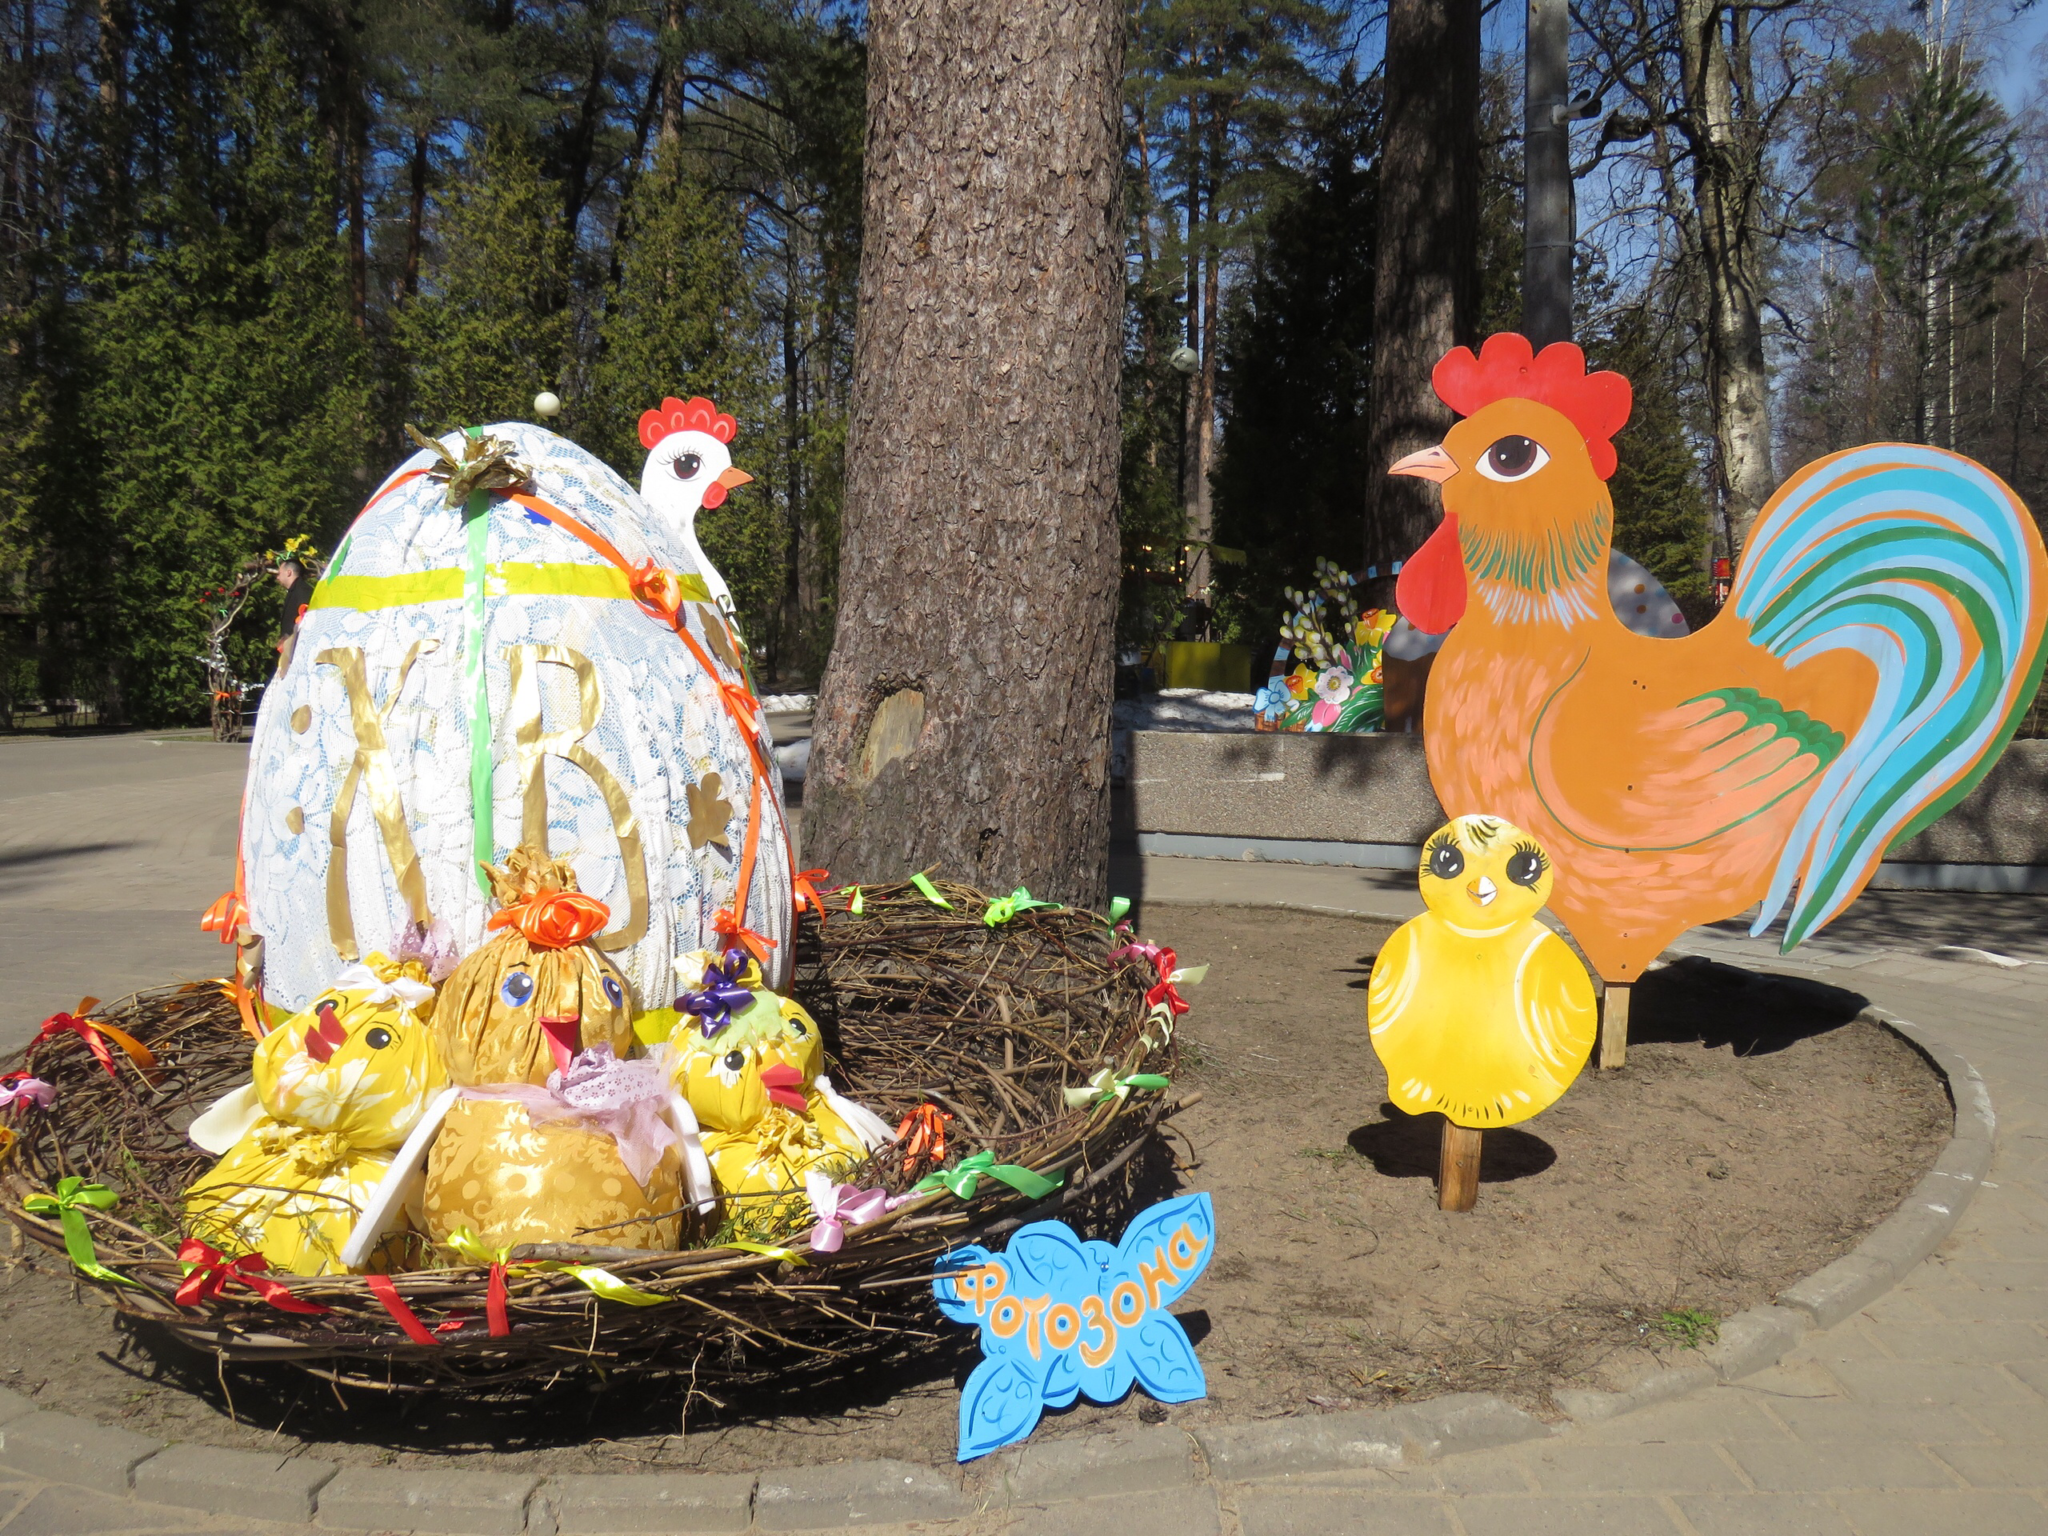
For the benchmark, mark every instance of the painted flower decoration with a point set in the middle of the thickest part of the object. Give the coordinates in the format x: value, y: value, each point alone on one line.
x: 1332, y: 688
x: 1301, y: 682
x: 1274, y: 698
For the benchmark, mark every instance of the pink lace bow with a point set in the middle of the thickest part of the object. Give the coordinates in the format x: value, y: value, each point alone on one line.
x: 623, y: 1099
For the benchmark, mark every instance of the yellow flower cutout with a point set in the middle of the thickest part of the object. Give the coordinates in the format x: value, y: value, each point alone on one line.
x: 1301, y: 682
x: 1372, y: 627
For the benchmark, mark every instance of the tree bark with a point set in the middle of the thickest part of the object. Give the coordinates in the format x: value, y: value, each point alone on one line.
x: 1727, y: 169
x: 1426, y: 290
x: 963, y: 721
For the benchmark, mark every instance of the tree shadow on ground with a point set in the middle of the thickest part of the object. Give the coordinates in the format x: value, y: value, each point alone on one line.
x: 1700, y: 1001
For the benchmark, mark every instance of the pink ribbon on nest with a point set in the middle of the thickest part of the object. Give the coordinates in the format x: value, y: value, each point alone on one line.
x: 623, y: 1099
x: 839, y: 1206
x: 18, y: 1088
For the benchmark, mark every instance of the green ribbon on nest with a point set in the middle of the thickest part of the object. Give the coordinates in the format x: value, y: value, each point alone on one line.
x: 1108, y: 1085
x: 965, y: 1178
x: 931, y: 892
x: 1003, y: 908
x: 1119, y: 909
x: 72, y: 1192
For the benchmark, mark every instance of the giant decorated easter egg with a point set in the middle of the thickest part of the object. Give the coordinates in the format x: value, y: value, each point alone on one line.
x: 543, y: 662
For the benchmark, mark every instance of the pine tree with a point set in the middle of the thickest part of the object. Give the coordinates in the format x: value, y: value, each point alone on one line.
x: 682, y: 320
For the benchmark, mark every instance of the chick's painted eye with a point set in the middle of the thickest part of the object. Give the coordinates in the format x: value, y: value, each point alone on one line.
x: 734, y: 1060
x: 686, y: 466
x: 796, y: 1027
x: 1526, y: 865
x: 377, y: 1039
x: 517, y: 989
x: 1446, y: 862
x: 1513, y: 458
x: 614, y: 992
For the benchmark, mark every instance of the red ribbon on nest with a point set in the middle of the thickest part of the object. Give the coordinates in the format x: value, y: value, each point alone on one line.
x: 738, y: 936
x: 805, y: 891
x: 212, y: 1273
x: 554, y: 919
x: 95, y: 1035
x: 1167, y: 962
x: 401, y: 1314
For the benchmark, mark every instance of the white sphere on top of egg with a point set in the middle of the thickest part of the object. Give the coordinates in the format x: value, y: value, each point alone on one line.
x: 474, y: 676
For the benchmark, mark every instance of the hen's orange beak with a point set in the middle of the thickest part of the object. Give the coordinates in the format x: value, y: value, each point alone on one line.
x: 1429, y: 464
x: 733, y: 479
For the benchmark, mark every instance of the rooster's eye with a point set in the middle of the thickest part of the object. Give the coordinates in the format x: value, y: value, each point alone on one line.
x: 687, y: 466
x: 1513, y: 458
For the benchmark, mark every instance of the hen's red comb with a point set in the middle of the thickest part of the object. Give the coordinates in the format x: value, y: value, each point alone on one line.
x: 695, y: 414
x: 1508, y: 368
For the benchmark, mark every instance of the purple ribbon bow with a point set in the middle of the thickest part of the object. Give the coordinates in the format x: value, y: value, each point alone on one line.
x: 721, y: 994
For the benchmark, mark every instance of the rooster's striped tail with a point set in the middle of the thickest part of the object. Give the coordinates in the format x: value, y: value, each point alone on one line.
x: 1926, y: 563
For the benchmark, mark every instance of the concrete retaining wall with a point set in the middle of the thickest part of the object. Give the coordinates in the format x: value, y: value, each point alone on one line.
x: 1366, y: 800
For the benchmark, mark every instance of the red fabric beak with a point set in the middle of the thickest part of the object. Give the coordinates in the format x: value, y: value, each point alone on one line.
x: 784, y: 1084
x: 326, y: 1037
x: 1430, y: 591
x: 565, y: 1038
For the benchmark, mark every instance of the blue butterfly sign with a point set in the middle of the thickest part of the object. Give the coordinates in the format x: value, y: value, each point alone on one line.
x: 1060, y: 1317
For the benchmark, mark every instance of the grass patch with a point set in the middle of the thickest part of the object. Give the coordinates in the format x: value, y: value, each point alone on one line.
x: 1689, y: 1327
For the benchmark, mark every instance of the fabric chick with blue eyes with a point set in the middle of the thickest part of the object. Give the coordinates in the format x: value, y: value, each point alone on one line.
x: 307, y: 1144
x: 557, y: 1135
x: 1477, y: 1010
x: 751, y: 1065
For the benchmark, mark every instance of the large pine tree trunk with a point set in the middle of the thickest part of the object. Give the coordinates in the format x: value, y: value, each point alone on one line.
x: 1426, y: 290
x: 963, y: 721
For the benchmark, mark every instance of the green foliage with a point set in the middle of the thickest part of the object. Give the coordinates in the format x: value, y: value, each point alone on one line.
x: 1689, y: 1327
x: 1660, y: 506
x: 680, y: 321
x: 490, y: 327
x: 1297, y: 365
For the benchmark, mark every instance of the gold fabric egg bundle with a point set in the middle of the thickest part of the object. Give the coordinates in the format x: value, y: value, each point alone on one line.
x: 515, y: 1161
x: 308, y: 1143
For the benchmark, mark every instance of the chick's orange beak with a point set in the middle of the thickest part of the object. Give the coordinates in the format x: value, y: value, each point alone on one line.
x: 1429, y: 464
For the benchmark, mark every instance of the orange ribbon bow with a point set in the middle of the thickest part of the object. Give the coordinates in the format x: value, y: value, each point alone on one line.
x: 224, y: 917
x: 804, y: 891
x: 554, y: 919
x: 923, y: 1134
x: 95, y: 1034
x: 736, y: 933
x: 657, y: 591
x: 212, y: 1273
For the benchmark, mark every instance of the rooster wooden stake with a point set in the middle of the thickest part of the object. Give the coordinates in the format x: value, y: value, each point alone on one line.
x: 1882, y: 640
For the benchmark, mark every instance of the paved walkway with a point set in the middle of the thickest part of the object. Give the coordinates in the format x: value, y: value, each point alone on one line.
x: 1925, y: 1415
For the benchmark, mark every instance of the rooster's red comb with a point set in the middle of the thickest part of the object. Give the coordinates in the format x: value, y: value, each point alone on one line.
x: 1508, y: 368
x: 695, y: 414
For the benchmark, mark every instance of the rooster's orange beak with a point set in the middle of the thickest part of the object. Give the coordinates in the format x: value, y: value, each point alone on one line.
x: 1430, y: 464
x: 732, y: 479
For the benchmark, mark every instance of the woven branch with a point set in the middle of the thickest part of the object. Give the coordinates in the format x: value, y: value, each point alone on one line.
x: 918, y: 1006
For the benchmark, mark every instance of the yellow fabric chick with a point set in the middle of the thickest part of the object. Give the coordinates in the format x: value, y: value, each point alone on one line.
x: 750, y: 1064
x: 1477, y: 1010
x: 337, y: 1090
x: 536, y: 1027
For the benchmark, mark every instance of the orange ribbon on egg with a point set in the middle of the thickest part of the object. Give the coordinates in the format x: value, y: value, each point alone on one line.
x: 804, y: 891
x: 554, y: 919
x: 225, y: 916
x: 738, y: 935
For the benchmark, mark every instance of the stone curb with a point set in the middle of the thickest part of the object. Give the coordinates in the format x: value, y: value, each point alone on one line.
x: 1039, y: 1481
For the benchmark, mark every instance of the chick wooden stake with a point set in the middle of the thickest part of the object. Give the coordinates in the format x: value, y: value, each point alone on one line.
x: 1614, y: 1025
x: 1479, y: 1012
x: 1883, y: 639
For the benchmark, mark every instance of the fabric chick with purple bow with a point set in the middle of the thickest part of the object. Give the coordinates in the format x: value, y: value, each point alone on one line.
x: 722, y: 990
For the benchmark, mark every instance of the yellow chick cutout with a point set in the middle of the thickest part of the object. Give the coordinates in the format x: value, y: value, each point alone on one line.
x: 1477, y: 1010
x: 311, y: 1142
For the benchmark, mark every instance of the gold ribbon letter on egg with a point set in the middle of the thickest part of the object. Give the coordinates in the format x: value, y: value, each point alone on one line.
x: 535, y: 745
x: 371, y: 766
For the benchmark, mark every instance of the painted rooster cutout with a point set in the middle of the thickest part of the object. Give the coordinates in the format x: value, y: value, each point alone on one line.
x: 1882, y: 639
